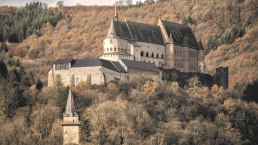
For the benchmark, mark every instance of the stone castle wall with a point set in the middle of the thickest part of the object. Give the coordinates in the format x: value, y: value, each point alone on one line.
x: 134, y: 74
x: 220, y: 78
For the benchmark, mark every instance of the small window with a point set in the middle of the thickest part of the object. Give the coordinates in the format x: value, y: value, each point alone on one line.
x: 157, y: 55
x: 107, y: 49
x: 77, y: 80
x: 142, y: 53
x: 111, y: 49
x: 152, y: 55
x: 162, y: 56
x: 114, y: 49
x: 147, y: 54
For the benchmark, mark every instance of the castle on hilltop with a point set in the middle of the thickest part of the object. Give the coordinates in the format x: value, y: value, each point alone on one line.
x: 167, y: 44
x: 132, y: 50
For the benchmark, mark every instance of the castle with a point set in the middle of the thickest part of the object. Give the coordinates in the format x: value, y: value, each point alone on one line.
x: 132, y: 50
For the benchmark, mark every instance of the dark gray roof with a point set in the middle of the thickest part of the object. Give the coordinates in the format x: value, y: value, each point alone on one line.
x: 119, y: 29
x: 140, y: 65
x: 110, y: 65
x: 119, y: 67
x: 136, y: 31
x: 87, y: 63
x: 146, y: 33
x: 99, y: 62
x: 68, y: 60
x: 181, y: 34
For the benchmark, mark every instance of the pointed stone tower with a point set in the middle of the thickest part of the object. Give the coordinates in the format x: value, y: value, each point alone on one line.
x: 71, y: 122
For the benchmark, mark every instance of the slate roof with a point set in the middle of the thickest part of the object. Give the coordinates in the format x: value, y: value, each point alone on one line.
x: 136, y: 31
x: 140, y: 65
x: 68, y: 60
x: 145, y: 33
x: 181, y: 34
x: 99, y: 62
x: 110, y: 65
x: 87, y: 63
x: 119, y: 29
x: 119, y: 66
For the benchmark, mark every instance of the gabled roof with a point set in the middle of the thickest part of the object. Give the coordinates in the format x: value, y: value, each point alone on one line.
x: 145, y: 33
x: 118, y: 66
x: 112, y: 65
x: 136, y: 31
x: 99, y: 62
x: 119, y: 29
x: 180, y: 34
x: 68, y: 60
x: 140, y: 65
x: 86, y: 62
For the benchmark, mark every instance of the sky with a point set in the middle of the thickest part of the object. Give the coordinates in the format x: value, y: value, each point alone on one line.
x: 53, y: 2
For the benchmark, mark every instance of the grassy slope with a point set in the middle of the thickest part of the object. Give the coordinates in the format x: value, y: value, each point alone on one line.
x: 82, y: 35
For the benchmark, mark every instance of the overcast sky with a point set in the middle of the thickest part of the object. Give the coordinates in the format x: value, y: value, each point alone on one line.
x: 53, y: 2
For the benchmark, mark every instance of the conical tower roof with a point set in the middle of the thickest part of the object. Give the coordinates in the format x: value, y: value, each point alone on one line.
x: 70, y: 108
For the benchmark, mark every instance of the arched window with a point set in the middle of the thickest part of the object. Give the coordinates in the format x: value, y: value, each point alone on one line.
x: 142, y: 53
x: 157, y: 55
x: 114, y: 49
x: 147, y: 54
x: 118, y: 49
x: 162, y: 56
x: 111, y: 49
x: 107, y: 49
x: 152, y: 55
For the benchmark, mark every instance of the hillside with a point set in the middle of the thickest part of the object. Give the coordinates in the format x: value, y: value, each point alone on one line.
x: 135, y: 112
x: 81, y: 34
x: 142, y: 111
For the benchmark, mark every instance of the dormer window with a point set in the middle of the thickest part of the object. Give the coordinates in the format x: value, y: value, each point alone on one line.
x: 62, y: 66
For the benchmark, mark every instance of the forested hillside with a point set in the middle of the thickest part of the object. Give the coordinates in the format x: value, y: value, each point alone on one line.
x: 17, y: 24
x: 228, y: 30
x: 137, y: 112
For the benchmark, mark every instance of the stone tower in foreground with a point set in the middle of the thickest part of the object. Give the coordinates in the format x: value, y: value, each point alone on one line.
x: 71, y: 122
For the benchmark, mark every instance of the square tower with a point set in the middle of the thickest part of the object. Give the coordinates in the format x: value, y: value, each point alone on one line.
x: 71, y: 122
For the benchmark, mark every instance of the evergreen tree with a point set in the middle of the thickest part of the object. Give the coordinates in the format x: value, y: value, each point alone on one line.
x: 103, y: 136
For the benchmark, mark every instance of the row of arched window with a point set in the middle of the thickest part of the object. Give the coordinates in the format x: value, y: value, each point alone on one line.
x: 152, y: 55
x: 115, y: 50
